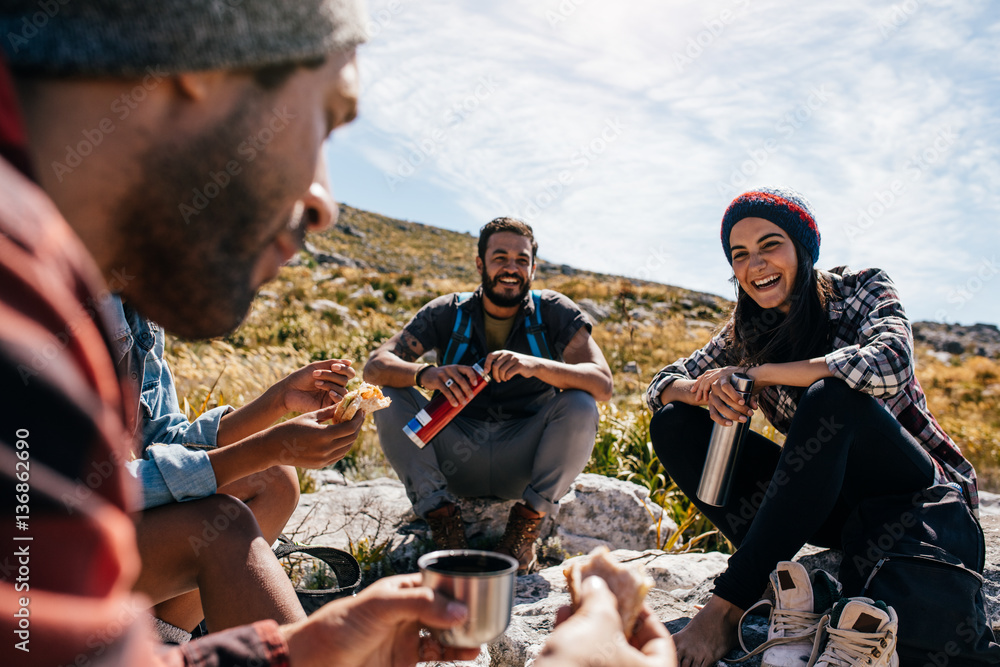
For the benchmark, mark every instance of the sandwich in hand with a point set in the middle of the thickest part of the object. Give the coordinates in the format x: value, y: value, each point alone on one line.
x: 365, y: 397
x: 628, y: 584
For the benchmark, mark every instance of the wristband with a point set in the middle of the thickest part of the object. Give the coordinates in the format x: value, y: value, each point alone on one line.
x: 420, y: 371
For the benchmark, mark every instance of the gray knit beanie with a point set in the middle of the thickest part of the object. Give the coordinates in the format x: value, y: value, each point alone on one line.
x: 127, y: 37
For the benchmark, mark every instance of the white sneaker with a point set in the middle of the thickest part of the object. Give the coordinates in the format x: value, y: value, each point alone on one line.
x: 859, y: 631
x: 800, y: 603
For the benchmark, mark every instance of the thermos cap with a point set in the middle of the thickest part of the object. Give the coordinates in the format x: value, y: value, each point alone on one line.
x: 742, y: 382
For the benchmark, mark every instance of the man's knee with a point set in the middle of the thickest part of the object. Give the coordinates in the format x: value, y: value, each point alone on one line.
x: 578, y: 421
x: 404, y: 401
x: 404, y: 404
x: 580, y: 404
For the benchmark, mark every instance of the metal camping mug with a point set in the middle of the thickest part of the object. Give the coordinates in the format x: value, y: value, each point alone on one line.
x: 724, y: 447
x: 483, y: 581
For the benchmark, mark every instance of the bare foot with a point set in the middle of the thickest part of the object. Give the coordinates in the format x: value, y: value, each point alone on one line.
x: 710, y: 635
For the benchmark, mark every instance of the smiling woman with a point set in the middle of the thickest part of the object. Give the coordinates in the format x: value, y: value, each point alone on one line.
x: 830, y: 354
x: 781, y: 299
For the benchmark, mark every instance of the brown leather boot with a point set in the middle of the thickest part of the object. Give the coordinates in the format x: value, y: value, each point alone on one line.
x: 447, y: 528
x: 520, y: 536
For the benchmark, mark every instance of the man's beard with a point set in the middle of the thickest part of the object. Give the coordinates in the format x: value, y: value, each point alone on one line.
x: 193, y: 267
x: 489, y: 288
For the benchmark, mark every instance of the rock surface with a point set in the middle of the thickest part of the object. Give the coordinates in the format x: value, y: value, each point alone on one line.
x: 343, y: 513
x: 334, y: 258
x: 979, y: 339
x: 377, y: 511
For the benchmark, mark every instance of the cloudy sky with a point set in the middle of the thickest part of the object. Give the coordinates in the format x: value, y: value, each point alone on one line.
x: 622, y: 129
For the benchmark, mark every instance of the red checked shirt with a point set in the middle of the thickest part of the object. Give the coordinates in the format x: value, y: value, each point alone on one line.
x: 872, y: 353
x: 68, y: 556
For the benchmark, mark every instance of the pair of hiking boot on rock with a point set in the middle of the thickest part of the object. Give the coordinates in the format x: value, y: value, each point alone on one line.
x: 518, y: 541
x: 812, y: 625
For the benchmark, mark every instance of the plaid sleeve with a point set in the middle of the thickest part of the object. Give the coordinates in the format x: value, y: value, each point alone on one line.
x: 708, y: 357
x: 878, y: 355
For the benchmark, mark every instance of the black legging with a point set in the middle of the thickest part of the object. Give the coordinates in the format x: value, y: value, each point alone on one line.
x: 842, y: 447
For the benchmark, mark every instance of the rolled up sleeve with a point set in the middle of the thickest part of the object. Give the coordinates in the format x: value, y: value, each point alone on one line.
x: 173, y: 473
x: 710, y: 356
x: 174, y: 428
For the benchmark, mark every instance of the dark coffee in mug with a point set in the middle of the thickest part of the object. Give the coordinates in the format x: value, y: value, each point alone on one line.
x: 468, y: 564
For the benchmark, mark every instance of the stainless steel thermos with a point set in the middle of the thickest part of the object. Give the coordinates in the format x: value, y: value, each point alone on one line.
x: 717, y: 475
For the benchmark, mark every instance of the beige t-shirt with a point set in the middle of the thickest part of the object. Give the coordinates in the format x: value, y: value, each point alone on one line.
x: 497, y: 331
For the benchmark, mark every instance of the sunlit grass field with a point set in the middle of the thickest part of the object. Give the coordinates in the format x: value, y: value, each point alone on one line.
x: 317, y: 311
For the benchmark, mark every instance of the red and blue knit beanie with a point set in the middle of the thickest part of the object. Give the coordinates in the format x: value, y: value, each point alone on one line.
x: 784, y: 207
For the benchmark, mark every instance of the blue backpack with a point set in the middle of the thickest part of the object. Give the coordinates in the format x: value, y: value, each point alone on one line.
x: 461, y: 333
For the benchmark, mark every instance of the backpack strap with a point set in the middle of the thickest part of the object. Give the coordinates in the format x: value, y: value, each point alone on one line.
x: 344, y: 566
x: 536, y: 330
x: 461, y: 333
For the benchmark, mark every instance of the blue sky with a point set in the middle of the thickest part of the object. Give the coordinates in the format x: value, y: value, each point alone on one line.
x: 621, y: 131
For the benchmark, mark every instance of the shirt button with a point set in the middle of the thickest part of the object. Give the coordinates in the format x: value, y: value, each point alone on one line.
x: 135, y: 375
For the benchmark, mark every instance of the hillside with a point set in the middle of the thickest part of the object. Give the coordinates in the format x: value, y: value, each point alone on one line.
x: 387, y: 245
x: 359, y: 282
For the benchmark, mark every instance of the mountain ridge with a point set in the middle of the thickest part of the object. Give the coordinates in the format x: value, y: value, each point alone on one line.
x: 368, y: 240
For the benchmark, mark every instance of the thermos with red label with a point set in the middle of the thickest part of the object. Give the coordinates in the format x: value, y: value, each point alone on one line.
x: 438, y: 413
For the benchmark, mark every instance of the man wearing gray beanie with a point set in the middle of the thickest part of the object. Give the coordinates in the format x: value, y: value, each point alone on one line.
x: 161, y: 151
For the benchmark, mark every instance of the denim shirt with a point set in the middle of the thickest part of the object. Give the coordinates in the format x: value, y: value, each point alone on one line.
x: 174, y: 466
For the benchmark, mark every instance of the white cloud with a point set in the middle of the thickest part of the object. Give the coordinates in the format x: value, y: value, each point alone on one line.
x: 618, y: 128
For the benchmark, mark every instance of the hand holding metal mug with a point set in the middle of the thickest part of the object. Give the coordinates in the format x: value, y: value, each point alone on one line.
x: 483, y: 581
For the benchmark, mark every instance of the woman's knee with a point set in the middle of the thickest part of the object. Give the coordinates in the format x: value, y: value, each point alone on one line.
x: 829, y: 391
x: 283, y: 489
x: 671, y: 420
x: 271, y: 491
x: 223, y: 522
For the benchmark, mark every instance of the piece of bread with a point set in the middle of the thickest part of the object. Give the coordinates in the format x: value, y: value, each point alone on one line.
x: 629, y: 584
x: 365, y: 397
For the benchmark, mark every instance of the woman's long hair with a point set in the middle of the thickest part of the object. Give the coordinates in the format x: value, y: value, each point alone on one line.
x: 766, y: 335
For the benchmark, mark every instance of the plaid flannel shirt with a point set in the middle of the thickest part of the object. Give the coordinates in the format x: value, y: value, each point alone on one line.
x: 872, y: 352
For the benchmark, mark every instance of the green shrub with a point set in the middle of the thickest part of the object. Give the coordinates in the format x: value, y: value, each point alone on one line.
x: 373, y: 559
x: 623, y: 450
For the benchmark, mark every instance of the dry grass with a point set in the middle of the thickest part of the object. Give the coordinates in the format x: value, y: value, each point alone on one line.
x: 965, y: 398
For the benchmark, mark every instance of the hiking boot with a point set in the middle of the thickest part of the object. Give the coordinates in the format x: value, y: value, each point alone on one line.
x: 520, y: 535
x: 800, y: 603
x: 859, y: 631
x: 447, y: 527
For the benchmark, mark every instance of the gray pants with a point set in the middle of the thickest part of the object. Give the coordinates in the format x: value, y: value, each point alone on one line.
x: 535, y: 458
